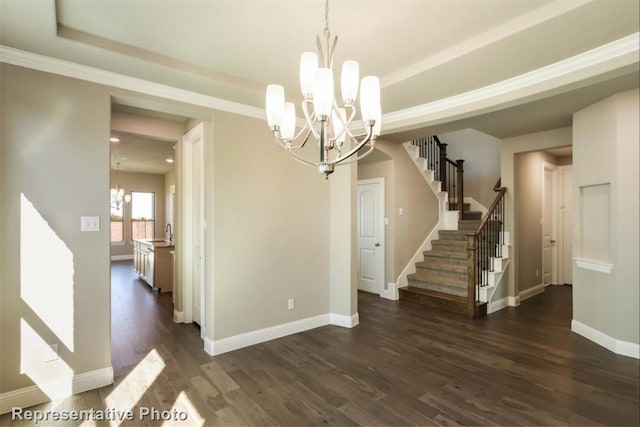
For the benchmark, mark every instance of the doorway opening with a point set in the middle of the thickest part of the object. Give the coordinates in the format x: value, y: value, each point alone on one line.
x: 543, y: 219
x: 154, y: 229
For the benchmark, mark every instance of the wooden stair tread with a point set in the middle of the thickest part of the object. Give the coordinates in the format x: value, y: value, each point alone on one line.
x: 456, y: 285
x: 443, y: 266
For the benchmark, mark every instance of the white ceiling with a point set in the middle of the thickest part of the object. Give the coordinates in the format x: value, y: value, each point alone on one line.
x: 143, y: 154
x: 423, y: 51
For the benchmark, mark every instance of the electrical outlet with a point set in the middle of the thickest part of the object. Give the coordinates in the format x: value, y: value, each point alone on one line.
x: 401, y: 211
x: 290, y: 304
x: 51, y: 352
x: 537, y: 273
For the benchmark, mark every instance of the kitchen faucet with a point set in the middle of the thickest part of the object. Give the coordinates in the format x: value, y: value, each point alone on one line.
x: 168, y: 229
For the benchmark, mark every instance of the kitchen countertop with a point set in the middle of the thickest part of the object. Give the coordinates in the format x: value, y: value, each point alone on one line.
x: 157, y: 243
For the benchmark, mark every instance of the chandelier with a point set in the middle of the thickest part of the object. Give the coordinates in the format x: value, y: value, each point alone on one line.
x: 117, y: 195
x: 328, y: 122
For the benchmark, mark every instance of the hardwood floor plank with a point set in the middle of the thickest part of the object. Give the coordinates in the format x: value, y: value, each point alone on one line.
x: 404, y: 364
x: 219, y: 377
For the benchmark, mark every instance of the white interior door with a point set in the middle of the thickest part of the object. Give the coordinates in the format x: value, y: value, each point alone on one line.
x: 566, y: 210
x: 549, y: 259
x: 370, y: 211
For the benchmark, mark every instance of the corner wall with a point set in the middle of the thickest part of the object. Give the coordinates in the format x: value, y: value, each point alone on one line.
x: 605, y: 153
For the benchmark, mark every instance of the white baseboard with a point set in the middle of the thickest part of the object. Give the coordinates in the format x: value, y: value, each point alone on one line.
x: 178, y: 316
x: 236, y: 342
x: 121, y: 257
x: 513, y: 301
x: 391, y: 292
x: 497, y: 305
x: 209, y: 346
x: 617, y: 346
x: 344, y: 321
x: 224, y: 345
x: 534, y: 290
x: 34, y: 395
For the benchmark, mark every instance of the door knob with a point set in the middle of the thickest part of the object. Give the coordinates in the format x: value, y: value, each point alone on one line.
x: 377, y: 244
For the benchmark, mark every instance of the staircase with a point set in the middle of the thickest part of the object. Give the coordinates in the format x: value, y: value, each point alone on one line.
x: 441, y: 280
x: 460, y: 271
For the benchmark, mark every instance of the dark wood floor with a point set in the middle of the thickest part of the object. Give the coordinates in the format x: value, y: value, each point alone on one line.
x: 403, y: 365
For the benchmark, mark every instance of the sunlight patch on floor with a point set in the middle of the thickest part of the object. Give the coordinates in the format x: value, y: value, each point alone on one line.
x: 127, y: 394
x: 183, y: 405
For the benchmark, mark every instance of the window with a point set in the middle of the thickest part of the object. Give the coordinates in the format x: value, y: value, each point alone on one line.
x: 142, y: 215
x: 117, y: 220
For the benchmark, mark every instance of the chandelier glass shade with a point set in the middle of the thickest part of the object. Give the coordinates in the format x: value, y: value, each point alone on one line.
x: 329, y: 122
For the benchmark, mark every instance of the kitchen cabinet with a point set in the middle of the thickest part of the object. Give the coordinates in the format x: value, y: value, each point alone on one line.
x: 153, y: 262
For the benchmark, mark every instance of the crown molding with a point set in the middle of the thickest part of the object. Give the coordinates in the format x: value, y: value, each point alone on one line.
x: 47, y: 64
x: 546, y: 81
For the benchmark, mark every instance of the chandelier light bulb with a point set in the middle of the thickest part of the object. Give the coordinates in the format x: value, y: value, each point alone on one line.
x: 369, y: 98
x: 323, y: 92
x: 275, y: 105
x: 377, y: 126
x: 308, y: 67
x: 349, y: 81
x: 288, y: 128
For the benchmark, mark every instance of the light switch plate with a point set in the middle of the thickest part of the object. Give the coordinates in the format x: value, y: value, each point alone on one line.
x: 89, y: 223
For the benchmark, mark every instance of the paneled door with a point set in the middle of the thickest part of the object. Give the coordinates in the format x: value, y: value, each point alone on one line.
x: 370, y: 212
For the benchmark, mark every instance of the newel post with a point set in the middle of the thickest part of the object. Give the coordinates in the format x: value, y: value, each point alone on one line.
x: 443, y: 165
x: 459, y: 180
x: 472, y: 257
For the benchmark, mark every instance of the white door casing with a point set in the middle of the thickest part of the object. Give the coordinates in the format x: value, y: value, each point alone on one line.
x: 370, y: 229
x: 193, y: 227
x: 548, y: 222
x: 566, y: 225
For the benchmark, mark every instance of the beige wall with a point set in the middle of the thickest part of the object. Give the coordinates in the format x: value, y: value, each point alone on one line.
x: 269, y: 215
x: 605, y: 151
x: 481, y: 153
x: 55, y: 153
x: 509, y: 148
x: 405, y: 188
x: 271, y: 228
x: 145, y: 182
